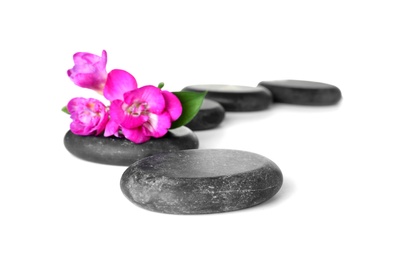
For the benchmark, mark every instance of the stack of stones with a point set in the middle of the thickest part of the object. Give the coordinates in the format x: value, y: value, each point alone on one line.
x: 171, y: 175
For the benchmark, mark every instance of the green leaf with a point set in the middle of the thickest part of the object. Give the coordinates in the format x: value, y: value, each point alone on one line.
x: 65, y: 110
x: 160, y: 85
x: 191, y: 103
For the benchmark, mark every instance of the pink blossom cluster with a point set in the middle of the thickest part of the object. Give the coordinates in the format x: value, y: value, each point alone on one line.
x: 136, y: 113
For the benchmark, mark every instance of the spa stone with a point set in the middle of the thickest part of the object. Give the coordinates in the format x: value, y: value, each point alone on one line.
x: 236, y: 98
x: 210, y: 115
x: 301, y: 92
x: 201, y: 181
x: 121, y: 151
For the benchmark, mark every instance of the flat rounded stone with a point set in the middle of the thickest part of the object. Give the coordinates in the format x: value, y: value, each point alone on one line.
x: 121, y: 151
x: 210, y: 115
x: 236, y: 98
x: 201, y: 181
x: 301, y: 92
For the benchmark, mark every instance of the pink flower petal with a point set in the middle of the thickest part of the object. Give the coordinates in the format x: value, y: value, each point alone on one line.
x: 116, y: 111
x: 112, y: 128
x: 78, y: 129
x: 89, y: 71
x: 119, y: 112
x: 89, y: 116
x: 118, y: 82
x: 75, y: 104
x: 157, y: 125
x: 86, y: 57
x: 149, y: 95
x: 135, y: 135
x: 102, y: 125
x: 133, y: 122
x: 173, y: 105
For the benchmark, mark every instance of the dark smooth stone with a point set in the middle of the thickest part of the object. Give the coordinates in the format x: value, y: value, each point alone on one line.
x: 210, y: 115
x: 301, y: 92
x: 236, y: 98
x: 201, y: 181
x: 120, y: 151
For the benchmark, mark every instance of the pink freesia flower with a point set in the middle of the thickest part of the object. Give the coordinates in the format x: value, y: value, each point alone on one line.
x: 89, y: 71
x: 143, y: 113
x: 89, y: 116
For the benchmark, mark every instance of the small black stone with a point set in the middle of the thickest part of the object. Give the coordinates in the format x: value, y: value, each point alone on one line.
x: 301, y: 92
x: 121, y: 151
x: 236, y: 98
x: 201, y: 181
x: 210, y: 115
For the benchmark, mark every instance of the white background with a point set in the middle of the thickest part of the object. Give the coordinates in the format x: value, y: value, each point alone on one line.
x: 341, y: 197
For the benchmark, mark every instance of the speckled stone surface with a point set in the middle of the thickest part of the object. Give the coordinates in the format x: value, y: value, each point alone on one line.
x: 210, y: 115
x: 201, y: 181
x: 236, y: 98
x: 301, y: 92
x: 120, y: 151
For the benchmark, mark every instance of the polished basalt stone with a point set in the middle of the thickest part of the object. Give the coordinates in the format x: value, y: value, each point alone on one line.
x: 201, y: 181
x: 301, y: 92
x: 120, y: 151
x: 210, y: 115
x: 236, y: 98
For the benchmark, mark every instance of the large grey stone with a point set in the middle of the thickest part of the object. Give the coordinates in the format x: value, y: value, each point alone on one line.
x: 302, y: 92
x: 236, y: 98
x: 120, y: 151
x: 210, y: 115
x: 201, y: 181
